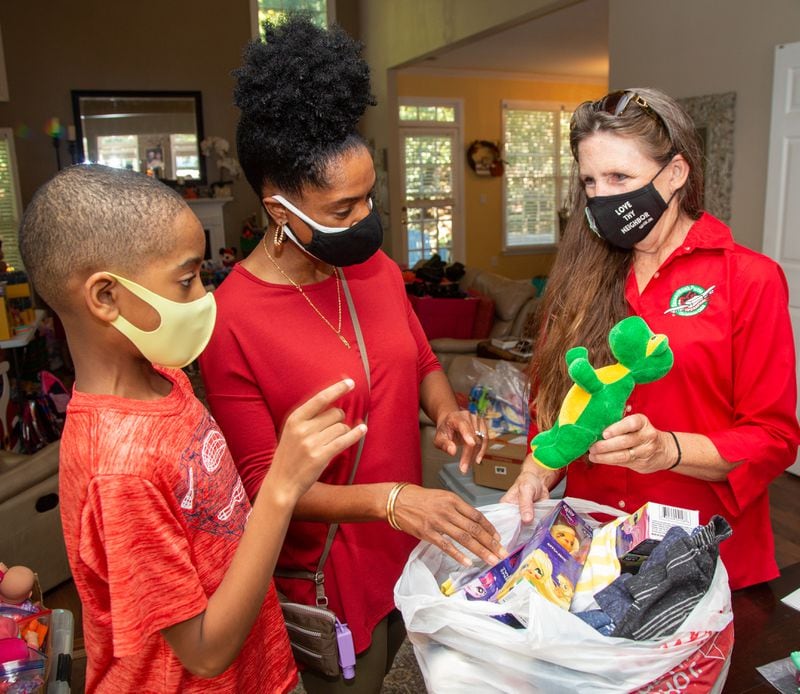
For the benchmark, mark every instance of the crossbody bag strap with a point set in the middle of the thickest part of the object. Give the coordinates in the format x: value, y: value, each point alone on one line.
x: 319, y: 576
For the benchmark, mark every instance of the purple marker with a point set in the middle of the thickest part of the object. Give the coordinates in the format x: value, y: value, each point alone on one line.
x: 347, y: 652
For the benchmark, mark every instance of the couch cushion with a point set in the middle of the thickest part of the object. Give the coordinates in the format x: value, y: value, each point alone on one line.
x: 521, y: 322
x: 445, y: 317
x: 508, y: 295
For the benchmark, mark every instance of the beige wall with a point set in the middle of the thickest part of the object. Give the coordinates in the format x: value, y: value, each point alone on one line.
x: 697, y: 47
x: 51, y: 48
x: 482, y: 120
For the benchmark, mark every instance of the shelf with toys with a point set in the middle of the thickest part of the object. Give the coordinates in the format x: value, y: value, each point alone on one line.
x: 35, y: 643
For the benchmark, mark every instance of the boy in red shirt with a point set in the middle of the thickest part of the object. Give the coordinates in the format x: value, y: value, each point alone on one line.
x: 173, y: 566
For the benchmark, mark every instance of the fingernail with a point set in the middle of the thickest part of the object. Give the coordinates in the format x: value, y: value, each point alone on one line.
x: 362, y: 427
x: 349, y: 382
x: 467, y: 562
x: 493, y: 559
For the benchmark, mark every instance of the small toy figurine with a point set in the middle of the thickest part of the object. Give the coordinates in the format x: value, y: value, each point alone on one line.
x: 16, y: 584
x: 16, y: 588
x: 228, y: 256
x: 599, y: 395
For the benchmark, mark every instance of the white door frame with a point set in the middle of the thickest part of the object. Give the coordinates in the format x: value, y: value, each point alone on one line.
x: 782, y: 205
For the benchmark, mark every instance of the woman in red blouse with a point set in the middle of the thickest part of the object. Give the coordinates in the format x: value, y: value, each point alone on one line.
x: 722, y: 424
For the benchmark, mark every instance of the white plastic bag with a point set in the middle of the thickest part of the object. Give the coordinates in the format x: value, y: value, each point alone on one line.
x: 461, y: 649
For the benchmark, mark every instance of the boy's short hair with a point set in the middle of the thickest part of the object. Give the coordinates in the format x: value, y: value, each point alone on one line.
x: 89, y: 218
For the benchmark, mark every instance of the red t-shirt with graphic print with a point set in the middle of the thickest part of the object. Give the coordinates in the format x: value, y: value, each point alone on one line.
x: 724, y: 309
x: 153, y: 508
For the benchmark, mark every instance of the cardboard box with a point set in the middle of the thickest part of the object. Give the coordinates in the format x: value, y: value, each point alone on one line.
x: 641, y: 531
x: 502, y: 462
x: 18, y: 291
x: 5, y: 324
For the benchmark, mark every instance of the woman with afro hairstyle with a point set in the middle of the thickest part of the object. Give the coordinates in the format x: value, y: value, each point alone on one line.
x: 284, y: 331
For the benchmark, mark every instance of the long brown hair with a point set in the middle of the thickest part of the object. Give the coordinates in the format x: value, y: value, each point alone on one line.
x: 585, y: 293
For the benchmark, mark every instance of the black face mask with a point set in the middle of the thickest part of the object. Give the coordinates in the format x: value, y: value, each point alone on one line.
x: 340, y: 246
x: 625, y: 219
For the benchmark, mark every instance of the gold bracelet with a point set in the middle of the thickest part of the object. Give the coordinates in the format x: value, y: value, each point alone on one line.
x: 390, y: 502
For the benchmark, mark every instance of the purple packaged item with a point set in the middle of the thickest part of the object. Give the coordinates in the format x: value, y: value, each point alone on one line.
x: 551, y: 561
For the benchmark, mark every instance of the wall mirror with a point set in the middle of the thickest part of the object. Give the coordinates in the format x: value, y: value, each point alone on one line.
x: 154, y: 132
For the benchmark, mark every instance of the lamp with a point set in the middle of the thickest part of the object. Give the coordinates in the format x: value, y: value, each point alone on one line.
x: 72, y: 144
x: 53, y: 128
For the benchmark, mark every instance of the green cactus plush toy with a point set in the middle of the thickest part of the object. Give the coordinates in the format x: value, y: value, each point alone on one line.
x: 599, y: 395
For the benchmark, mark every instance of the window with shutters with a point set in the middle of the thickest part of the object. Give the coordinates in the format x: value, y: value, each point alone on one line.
x: 10, y: 203
x: 430, y: 144
x: 538, y: 163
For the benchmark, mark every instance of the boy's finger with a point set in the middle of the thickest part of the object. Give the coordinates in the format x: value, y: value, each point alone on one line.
x: 346, y: 440
x: 315, y: 404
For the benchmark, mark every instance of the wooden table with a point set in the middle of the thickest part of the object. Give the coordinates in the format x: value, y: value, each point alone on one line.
x: 487, y: 350
x: 766, y: 630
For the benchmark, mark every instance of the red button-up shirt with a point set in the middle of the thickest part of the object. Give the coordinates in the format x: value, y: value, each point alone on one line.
x: 724, y: 309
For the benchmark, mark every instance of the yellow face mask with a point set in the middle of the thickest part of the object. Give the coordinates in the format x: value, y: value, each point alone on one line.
x: 182, y: 334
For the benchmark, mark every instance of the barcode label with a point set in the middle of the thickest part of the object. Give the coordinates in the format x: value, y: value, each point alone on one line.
x: 672, y: 513
x: 663, y: 517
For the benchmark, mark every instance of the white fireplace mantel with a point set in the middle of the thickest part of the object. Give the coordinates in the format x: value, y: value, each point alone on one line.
x: 209, y: 212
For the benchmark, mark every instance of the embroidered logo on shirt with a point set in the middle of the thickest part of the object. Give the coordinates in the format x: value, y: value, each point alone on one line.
x: 689, y: 300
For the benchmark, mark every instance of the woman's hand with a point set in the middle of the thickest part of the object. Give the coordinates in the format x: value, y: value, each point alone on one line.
x: 532, y: 484
x: 441, y: 518
x: 461, y: 427
x: 635, y: 443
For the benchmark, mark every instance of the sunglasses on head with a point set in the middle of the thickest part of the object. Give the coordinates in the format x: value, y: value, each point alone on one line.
x: 616, y: 103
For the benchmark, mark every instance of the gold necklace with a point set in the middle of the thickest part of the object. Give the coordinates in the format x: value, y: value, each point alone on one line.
x: 299, y: 288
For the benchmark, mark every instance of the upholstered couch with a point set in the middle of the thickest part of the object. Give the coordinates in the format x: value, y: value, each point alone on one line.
x: 514, y: 301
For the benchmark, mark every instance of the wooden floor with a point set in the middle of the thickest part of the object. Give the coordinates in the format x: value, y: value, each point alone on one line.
x: 785, y: 512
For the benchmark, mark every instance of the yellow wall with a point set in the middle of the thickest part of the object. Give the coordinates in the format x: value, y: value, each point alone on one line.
x: 482, y: 99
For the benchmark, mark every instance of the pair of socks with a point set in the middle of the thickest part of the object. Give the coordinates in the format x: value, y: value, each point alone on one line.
x: 676, y: 576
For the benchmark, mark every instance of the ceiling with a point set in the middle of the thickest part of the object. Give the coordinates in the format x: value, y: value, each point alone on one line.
x: 572, y: 42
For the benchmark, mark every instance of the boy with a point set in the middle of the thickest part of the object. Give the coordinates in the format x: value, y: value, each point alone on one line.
x: 172, y: 565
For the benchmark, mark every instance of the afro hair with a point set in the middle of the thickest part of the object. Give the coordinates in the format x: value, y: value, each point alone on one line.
x: 301, y: 93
